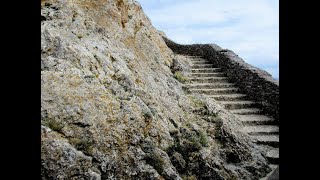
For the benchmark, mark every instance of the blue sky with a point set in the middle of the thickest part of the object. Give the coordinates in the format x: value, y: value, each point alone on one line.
x: 250, y: 28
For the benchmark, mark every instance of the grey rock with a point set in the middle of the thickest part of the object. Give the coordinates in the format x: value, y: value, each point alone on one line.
x: 111, y: 107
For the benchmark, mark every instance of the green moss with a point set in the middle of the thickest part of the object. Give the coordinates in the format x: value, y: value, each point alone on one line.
x: 55, y: 125
x: 82, y: 144
x: 180, y: 77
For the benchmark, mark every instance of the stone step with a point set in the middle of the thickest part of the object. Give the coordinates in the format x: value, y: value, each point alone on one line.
x: 206, y: 70
x: 271, y: 140
x: 189, y: 56
x: 261, y: 129
x: 238, y: 104
x: 246, y: 111
x: 215, y: 91
x: 218, y: 74
x: 273, y: 155
x: 198, y: 59
x: 229, y: 97
x: 256, y: 119
x: 200, y: 66
x: 200, y: 62
x: 208, y: 85
x: 209, y: 79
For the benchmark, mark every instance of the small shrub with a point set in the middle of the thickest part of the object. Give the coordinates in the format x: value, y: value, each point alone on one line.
x: 180, y: 77
x: 191, y: 142
x: 193, y: 145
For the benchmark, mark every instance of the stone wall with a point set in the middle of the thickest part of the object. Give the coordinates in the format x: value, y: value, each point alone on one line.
x: 256, y: 83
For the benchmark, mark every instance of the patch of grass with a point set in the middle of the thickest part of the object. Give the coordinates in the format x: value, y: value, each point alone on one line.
x: 203, y: 139
x: 189, y: 142
x: 198, y: 103
x: 82, y: 144
x: 55, y: 125
x: 180, y: 77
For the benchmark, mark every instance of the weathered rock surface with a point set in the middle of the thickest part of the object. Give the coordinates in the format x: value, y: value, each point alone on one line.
x: 112, y: 107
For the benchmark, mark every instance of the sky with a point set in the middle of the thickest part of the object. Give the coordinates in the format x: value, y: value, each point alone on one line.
x: 250, y: 28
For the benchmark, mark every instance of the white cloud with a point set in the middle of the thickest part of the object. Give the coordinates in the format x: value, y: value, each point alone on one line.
x: 247, y: 27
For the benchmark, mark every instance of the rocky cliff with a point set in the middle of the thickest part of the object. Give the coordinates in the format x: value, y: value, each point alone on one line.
x: 111, y: 108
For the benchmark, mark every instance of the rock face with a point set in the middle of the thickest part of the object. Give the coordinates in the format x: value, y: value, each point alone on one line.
x: 112, y: 106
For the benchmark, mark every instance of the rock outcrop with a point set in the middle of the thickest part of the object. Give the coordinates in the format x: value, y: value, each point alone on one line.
x: 112, y: 106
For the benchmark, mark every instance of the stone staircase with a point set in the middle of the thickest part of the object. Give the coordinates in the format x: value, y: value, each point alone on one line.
x: 207, y: 79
